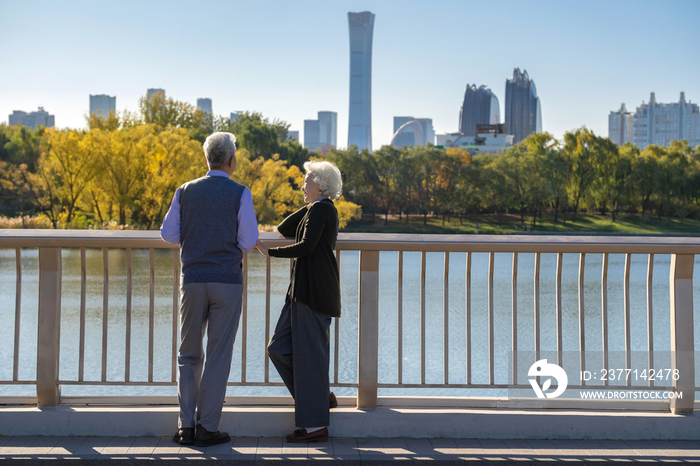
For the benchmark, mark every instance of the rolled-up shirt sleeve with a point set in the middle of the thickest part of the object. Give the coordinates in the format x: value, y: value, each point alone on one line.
x: 247, y: 223
x: 170, y: 230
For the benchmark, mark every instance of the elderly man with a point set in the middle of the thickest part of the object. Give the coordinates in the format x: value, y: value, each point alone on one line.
x: 213, y: 221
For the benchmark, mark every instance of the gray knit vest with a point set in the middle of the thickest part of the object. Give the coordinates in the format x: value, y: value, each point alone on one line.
x: 209, y: 231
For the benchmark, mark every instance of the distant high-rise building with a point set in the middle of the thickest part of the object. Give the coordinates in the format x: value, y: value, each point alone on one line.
x: 523, y: 109
x: 102, y: 105
x: 409, y: 134
x: 311, y: 134
x: 204, y: 105
x: 151, y: 92
x: 479, y: 107
x: 32, y: 120
x: 621, y: 126
x: 321, y: 132
x: 659, y: 124
x: 234, y: 116
x: 328, y: 128
x: 360, y: 116
x: 293, y: 135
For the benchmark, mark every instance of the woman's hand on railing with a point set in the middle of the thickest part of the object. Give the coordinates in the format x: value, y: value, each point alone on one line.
x: 262, y: 247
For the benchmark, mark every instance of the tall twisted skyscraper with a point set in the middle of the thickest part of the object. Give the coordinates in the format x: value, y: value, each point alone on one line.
x: 523, y: 111
x: 360, y: 120
x: 480, y: 107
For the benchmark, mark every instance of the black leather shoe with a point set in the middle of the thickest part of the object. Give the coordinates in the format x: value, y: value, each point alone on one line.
x: 301, y: 436
x: 334, y: 401
x: 184, y: 436
x: 204, y: 438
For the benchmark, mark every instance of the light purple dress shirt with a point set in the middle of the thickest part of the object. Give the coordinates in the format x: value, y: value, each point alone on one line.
x: 247, y: 222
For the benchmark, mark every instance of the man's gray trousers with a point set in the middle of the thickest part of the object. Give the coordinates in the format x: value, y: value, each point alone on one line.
x: 300, y: 350
x: 216, y: 308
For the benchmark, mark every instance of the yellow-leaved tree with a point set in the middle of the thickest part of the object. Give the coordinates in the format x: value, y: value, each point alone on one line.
x: 275, y: 187
x: 173, y: 159
x: 347, y: 211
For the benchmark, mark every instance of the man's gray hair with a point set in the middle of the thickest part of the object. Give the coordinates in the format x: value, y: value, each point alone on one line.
x: 327, y: 176
x: 219, y: 148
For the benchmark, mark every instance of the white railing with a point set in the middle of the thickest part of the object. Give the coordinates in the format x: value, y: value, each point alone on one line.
x: 682, y: 340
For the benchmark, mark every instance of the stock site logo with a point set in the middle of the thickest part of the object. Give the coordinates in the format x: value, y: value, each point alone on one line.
x: 542, y: 369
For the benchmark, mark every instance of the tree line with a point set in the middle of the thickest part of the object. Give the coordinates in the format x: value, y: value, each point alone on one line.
x: 583, y: 172
x: 124, y: 169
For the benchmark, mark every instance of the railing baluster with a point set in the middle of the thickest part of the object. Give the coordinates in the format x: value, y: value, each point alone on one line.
x: 83, y: 291
x: 267, y: 317
x: 127, y: 344
x: 537, y: 306
x: 446, y: 319
x: 422, y: 316
x: 490, y: 315
x: 105, y: 310
x: 626, y: 297
x: 581, y: 315
x: 604, y: 311
x: 336, y: 347
x: 368, y: 330
x: 468, y: 311
x: 514, y: 310
x: 682, y: 332
x: 244, y: 318
x: 650, y: 316
x: 18, y: 309
x: 560, y: 344
x: 176, y: 315
x: 400, y: 318
x: 48, y: 320
x: 151, y: 313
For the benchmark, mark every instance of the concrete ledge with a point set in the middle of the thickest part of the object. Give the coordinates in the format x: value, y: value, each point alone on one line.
x: 139, y: 421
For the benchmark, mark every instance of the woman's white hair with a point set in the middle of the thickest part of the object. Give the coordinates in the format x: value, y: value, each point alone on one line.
x: 219, y: 148
x: 327, y: 177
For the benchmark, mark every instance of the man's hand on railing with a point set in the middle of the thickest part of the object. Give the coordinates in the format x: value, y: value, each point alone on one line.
x: 262, y: 247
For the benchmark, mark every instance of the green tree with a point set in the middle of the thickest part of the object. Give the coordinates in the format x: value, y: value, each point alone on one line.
x: 585, y: 154
x: 614, y: 183
x: 21, y: 145
x: 385, y: 165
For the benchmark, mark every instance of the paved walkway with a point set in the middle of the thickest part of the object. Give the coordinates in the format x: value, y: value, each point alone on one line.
x: 129, y: 450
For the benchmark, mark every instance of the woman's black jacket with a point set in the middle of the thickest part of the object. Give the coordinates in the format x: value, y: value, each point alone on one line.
x: 315, y: 281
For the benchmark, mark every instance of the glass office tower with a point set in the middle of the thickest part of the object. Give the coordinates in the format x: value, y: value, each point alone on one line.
x: 523, y: 111
x: 479, y: 107
x: 360, y: 119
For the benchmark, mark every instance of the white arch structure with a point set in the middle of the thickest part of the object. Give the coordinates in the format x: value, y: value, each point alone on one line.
x: 416, y: 129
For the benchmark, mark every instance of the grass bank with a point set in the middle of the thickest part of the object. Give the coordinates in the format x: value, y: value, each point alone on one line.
x: 506, y: 224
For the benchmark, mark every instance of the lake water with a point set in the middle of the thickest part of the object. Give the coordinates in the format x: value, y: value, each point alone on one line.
x: 348, y: 338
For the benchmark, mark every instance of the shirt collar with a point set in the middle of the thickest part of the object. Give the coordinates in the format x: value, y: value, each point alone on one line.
x: 217, y: 173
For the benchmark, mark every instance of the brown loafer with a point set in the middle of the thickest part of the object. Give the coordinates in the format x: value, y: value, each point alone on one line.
x: 334, y: 401
x: 301, y: 436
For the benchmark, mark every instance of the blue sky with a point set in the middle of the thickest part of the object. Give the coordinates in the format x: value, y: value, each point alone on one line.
x: 289, y: 60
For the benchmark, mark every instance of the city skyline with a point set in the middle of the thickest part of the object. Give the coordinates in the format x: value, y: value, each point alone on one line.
x: 420, y: 60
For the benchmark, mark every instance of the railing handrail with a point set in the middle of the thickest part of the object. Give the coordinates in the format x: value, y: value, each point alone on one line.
x: 11, y: 238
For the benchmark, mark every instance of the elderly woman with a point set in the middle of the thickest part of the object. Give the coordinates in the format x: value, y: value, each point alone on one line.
x: 300, y: 345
